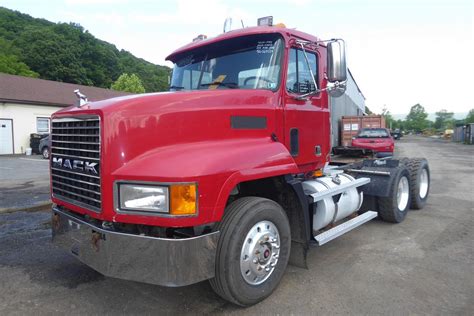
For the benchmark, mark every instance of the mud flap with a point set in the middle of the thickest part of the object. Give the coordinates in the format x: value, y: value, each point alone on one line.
x: 298, y: 254
x: 381, y: 173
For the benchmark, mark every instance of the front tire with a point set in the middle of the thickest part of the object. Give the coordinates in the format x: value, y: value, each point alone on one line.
x: 252, y: 252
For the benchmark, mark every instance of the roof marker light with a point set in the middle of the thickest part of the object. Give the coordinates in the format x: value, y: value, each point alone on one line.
x: 265, y: 21
x: 200, y: 37
x: 227, y: 25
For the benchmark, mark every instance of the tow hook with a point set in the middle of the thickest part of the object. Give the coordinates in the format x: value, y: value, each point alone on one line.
x: 95, y: 238
x: 55, y: 221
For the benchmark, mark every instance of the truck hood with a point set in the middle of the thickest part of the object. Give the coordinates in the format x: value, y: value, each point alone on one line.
x: 215, y: 138
x: 134, y: 125
x: 170, y: 101
x: 124, y: 103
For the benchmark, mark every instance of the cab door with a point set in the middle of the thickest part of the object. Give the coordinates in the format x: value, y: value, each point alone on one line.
x: 307, y: 120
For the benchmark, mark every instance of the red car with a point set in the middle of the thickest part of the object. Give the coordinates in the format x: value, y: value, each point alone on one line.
x: 377, y: 139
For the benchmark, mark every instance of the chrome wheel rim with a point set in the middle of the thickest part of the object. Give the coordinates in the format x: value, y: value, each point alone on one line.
x: 260, y: 252
x: 46, y: 153
x: 403, y: 193
x: 423, y: 183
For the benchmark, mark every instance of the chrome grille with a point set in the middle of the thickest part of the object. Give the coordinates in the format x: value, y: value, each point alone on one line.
x: 75, y: 161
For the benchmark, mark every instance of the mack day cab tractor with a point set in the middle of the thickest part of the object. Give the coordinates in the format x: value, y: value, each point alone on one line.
x: 225, y: 177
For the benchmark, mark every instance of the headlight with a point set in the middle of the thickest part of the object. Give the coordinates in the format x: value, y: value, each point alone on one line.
x: 144, y: 198
x: 173, y: 199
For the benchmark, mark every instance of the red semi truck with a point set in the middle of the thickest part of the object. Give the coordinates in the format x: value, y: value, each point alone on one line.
x: 224, y: 178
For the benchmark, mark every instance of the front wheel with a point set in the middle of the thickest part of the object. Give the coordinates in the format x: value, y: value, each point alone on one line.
x: 253, y: 250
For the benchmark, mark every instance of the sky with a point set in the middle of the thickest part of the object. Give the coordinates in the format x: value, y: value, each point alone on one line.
x: 400, y: 52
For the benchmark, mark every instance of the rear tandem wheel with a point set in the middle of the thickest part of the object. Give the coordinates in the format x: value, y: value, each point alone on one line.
x: 394, y: 207
x: 419, y: 181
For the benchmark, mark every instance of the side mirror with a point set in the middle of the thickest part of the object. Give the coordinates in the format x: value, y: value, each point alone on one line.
x: 337, y: 69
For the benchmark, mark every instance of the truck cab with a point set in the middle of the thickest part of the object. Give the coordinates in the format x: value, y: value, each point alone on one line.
x: 269, y: 70
x: 221, y: 178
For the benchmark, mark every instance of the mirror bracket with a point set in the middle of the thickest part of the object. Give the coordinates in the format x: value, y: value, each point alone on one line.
x: 309, y: 67
x: 334, y: 86
x: 331, y: 86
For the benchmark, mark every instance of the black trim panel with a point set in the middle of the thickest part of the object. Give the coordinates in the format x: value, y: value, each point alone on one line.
x: 294, y: 142
x: 248, y: 122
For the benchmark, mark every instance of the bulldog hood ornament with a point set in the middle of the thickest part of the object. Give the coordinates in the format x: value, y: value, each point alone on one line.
x: 82, y: 99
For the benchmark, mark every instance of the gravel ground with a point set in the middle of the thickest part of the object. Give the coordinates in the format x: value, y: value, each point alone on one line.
x: 24, y: 181
x: 422, y: 266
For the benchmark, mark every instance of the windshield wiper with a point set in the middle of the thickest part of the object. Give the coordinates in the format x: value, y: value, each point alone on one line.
x: 176, y: 87
x: 230, y: 85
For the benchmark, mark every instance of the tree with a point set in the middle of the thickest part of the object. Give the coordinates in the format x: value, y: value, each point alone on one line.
x: 67, y: 52
x: 10, y: 64
x: 388, y: 117
x: 128, y: 83
x: 398, y: 124
x: 470, y: 117
x: 416, y: 119
x: 368, y: 111
x: 52, y: 56
x: 444, y: 119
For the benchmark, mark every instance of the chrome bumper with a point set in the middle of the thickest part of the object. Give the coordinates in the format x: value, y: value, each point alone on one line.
x: 161, y: 261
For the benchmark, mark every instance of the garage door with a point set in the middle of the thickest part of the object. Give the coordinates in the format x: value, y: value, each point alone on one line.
x: 6, y: 137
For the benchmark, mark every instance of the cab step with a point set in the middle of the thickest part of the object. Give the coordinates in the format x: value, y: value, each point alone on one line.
x: 345, y: 227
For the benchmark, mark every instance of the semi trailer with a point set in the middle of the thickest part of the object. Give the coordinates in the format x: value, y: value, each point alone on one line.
x: 227, y: 176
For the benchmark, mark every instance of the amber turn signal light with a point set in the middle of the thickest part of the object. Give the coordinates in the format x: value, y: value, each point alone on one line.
x: 317, y: 173
x: 183, y: 198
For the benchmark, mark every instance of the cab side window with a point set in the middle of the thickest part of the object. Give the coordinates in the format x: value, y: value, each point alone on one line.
x: 299, y: 76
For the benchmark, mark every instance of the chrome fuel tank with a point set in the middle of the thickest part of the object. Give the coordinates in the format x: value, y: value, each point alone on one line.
x: 334, y: 208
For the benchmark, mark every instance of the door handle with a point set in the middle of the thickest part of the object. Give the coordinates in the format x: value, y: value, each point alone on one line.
x: 317, y: 150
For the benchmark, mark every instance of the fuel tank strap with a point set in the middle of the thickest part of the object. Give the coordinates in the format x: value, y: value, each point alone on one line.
x: 318, y: 196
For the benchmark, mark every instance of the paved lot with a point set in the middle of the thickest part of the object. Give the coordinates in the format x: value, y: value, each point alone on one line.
x: 423, y: 266
x: 24, y: 181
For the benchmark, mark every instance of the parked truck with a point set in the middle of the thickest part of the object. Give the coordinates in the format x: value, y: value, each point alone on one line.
x: 226, y: 177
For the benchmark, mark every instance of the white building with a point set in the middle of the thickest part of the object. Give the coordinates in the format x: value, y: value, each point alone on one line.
x: 26, y: 105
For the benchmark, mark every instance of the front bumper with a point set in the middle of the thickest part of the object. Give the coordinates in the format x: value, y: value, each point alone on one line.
x: 161, y: 261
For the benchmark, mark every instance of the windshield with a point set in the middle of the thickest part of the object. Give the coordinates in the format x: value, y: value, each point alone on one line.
x: 373, y: 133
x: 249, y: 62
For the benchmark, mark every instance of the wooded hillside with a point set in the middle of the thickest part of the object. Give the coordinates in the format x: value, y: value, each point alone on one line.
x: 68, y: 53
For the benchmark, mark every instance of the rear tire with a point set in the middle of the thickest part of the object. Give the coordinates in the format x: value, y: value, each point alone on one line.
x: 394, y: 208
x: 419, y: 181
x: 246, y: 224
